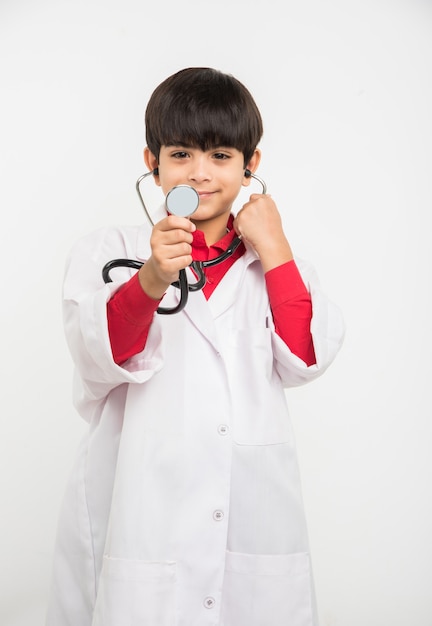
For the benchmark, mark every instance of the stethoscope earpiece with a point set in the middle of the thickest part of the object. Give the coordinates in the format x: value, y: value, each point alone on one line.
x: 248, y: 174
x: 155, y: 172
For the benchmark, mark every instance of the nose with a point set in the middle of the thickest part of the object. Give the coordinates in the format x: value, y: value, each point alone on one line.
x: 199, y: 170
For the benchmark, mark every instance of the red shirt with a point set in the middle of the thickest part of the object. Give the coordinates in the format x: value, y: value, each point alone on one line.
x: 130, y: 311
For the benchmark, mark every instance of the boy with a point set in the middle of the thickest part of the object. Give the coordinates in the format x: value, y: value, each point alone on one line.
x: 185, y: 508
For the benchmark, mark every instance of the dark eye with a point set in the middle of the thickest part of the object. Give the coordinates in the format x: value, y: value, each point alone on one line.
x: 220, y: 155
x: 180, y: 155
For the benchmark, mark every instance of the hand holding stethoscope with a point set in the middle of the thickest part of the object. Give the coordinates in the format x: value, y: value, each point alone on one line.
x: 181, y: 201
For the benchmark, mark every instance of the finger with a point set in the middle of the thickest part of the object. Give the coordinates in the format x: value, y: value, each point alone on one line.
x: 169, y: 252
x: 170, y: 266
x: 172, y: 222
x: 178, y: 250
x: 172, y: 237
x: 255, y: 196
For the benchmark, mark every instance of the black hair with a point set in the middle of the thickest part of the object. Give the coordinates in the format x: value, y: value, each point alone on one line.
x: 204, y: 108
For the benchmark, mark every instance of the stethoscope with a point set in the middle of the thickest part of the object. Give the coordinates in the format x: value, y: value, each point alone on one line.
x: 183, y: 201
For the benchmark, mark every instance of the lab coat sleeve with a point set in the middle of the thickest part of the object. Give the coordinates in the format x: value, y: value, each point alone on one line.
x: 327, y: 330
x: 85, y: 296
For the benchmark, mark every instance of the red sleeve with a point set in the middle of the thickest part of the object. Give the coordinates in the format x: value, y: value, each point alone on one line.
x: 292, y: 310
x: 130, y: 313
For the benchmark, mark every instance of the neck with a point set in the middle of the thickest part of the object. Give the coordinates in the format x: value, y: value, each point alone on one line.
x: 213, y: 229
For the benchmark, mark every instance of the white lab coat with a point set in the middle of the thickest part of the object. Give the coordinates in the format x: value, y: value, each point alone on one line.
x: 184, y: 507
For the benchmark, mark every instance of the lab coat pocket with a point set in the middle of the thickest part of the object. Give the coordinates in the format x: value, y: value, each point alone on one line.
x: 267, y: 590
x: 135, y: 593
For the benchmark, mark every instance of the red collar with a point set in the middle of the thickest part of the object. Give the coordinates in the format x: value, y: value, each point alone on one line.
x: 202, y: 252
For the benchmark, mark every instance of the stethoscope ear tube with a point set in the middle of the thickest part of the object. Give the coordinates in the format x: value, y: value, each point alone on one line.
x: 138, y: 190
x: 249, y: 174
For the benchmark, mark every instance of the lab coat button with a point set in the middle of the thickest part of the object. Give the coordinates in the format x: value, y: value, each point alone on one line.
x: 223, y: 429
x: 218, y: 515
x: 209, y: 602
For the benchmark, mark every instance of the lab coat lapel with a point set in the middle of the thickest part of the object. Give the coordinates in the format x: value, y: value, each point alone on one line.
x: 227, y: 291
x: 203, y: 312
x: 200, y: 314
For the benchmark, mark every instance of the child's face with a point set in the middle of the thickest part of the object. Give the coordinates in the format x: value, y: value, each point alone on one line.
x: 217, y: 175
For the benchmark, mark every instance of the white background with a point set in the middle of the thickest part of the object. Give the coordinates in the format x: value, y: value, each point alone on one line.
x: 345, y: 91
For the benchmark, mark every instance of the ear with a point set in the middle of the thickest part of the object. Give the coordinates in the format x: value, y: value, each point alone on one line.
x: 252, y: 166
x: 152, y: 163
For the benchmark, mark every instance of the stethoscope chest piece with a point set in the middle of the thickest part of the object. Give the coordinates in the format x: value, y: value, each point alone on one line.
x: 182, y: 200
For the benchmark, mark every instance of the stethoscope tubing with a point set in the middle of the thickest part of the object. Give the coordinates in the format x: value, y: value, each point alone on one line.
x: 197, y: 266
